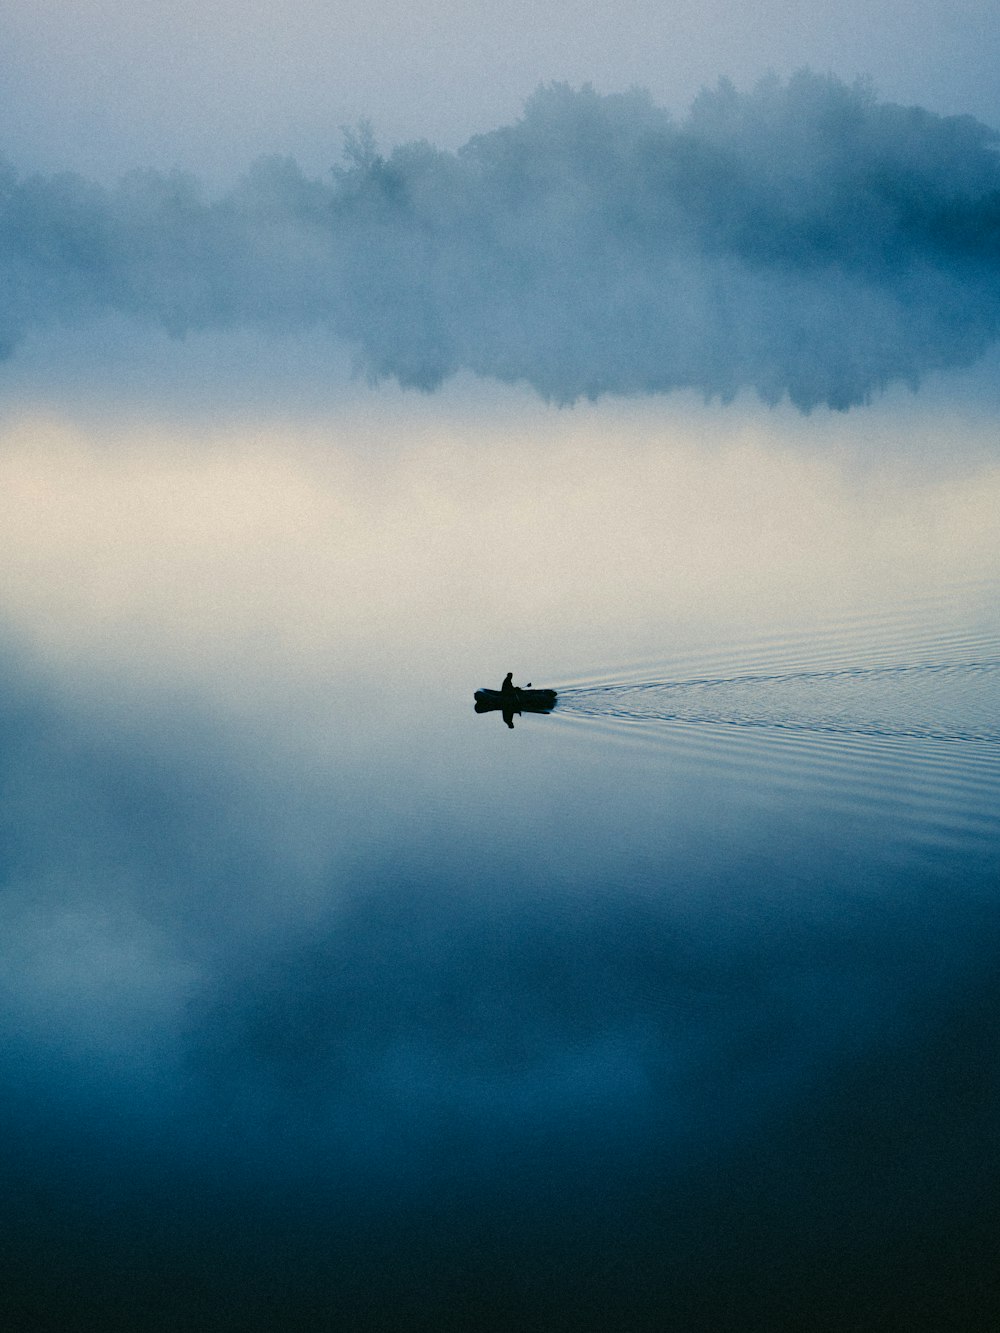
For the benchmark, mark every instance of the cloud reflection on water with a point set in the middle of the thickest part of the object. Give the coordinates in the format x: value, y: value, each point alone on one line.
x: 237, y: 560
x: 500, y: 1036
x: 325, y: 997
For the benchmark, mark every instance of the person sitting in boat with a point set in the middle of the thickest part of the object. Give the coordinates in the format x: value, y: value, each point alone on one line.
x: 508, y: 689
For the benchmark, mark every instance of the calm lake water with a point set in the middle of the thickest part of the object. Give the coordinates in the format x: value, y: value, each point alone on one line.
x: 332, y: 1004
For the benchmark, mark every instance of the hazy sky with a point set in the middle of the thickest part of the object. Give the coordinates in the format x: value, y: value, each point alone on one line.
x: 102, y: 85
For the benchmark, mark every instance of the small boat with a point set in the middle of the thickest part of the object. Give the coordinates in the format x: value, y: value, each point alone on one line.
x: 521, y: 701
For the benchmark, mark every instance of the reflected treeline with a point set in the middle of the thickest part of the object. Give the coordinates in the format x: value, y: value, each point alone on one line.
x: 804, y: 240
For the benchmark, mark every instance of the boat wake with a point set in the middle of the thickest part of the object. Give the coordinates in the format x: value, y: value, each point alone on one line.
x: 941, y: 701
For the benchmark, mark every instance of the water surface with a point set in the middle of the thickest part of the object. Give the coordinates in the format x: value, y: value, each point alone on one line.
x: 331, y: 1003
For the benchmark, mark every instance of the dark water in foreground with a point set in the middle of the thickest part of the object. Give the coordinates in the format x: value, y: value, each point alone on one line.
x: 329, y: 1004
x: 673, y: 1009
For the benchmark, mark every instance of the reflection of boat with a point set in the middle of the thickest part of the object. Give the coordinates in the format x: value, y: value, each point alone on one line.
x: 521, y: 701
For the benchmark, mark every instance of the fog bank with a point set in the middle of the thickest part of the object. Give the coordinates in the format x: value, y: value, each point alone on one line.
x: 803, y: 240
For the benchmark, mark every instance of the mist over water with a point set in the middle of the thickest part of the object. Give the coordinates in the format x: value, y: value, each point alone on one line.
x: 803, y: 240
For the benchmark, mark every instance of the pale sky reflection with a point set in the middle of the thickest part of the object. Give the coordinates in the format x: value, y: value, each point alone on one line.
x: 240, y: 563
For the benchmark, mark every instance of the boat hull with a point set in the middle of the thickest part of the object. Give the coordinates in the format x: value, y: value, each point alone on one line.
x: 521, y: 701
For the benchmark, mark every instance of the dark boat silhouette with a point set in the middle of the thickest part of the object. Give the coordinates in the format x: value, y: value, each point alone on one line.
x: 520, y: 701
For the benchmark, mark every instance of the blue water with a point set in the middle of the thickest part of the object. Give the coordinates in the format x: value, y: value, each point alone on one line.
x: 672, y: 1009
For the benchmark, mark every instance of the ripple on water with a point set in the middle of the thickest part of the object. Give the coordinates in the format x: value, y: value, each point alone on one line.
x: 907, y: 733
x: 926, y: 700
